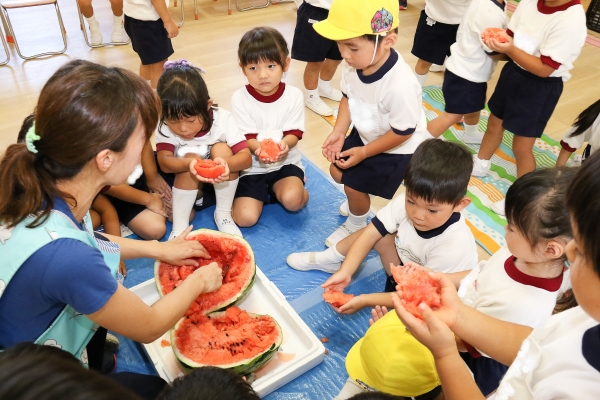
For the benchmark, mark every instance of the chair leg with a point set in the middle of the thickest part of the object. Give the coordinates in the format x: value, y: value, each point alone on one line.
x: 5, y: 49
x: 237, y: 5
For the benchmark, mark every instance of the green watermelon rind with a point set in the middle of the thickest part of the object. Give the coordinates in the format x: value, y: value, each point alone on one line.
x: 242, y: 367
x: 227, y: 303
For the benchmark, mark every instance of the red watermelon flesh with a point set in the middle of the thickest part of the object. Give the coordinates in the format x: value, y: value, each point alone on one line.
x: 208, y: 168
x: 494, y: 33
x: 269, y: 149
x: 231, y: 253
x: 337, y: 299
x: 417, y: 287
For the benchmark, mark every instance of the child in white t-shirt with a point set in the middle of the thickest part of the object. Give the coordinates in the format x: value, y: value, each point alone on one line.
x: 191, y: 127
x: 383, y: 102
x: 423, y: 225
x: 268, y: 108
x: 468, y: 69
x: 558, y: 360
x: 585, y: 129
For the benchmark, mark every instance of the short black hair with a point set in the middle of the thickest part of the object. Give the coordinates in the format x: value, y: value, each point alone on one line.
x: 583, y: 201
x: 439, y: 171
x: 263, y: 44
x: 373, y: 38
x: 433, y: 394
x: 209, y: 383
x: 536, y: 204
x: 27, y: 123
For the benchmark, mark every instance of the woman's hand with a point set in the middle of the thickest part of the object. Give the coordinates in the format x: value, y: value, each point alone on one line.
x: 157, y: 205
x: 183, y: 252
x: 333, y: 146
x: 337, y: 281
x: 222, y: 178
x: 351, y: 157
x: 211, y: 275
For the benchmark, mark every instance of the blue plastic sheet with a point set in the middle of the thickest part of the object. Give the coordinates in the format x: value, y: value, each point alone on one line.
x: 277, y: 234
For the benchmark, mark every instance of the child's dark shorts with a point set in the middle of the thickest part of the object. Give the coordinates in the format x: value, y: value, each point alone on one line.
x: 149, y: 39
x: 128, y: 211
x: 307, y: 44
x: 380, y: 175
x: 524, y: 101
x: 260, y: 186
x: 461, y: 95
x: 433, y: 40
x: 487, y: 372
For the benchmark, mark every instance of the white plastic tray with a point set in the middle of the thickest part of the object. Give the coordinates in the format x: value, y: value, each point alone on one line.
x: 299, y: 341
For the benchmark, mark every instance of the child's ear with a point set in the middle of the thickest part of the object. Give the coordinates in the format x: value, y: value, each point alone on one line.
x: 464, y: 202
x: 390, y: 39
x: 104, y: 160
x: 555, y: 249
x: 287, y: 64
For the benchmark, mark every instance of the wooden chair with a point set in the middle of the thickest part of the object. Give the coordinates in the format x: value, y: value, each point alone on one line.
x: 5, y: 49
x: 12, y: 4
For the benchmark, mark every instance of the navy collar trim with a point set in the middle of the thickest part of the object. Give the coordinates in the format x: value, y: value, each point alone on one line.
x: 61, y: 205
x: 590, y: 345
x: 384, y: 69
x: 455, y: 217
x: 502, y: 6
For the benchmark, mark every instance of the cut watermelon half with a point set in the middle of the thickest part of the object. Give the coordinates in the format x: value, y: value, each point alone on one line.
x: 337, y: 299
x: 231, y: 252
x: 233, y: 339
x: 417, y: 287
x: 208, y: 168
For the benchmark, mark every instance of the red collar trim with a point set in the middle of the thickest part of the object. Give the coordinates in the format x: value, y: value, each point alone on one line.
x: 267, y: 99
x: 549, y: 284
x: 202, y: 133
x: 544, y: 9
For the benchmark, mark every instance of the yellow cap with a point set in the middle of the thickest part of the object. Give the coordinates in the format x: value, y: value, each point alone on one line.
x: 353, y: 18
x: 388, y: 358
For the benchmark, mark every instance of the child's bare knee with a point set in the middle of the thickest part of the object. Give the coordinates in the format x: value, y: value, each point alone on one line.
x: 293, y: 200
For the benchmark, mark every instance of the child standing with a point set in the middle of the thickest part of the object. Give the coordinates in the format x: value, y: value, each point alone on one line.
x: 150, y: 27
x: 436, y: 32
x: 95, y: 35
x: 192, y: 127
x: 382, y: 99
x: 585, y: 129
x: 423, y: 225
x: 322, y: 56
x: 532, y: 81
x: 267, y: 108
x: 468, y: 69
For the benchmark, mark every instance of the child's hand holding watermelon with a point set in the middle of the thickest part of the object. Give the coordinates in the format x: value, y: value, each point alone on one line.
x: 497, y: 40
x: 338, y: 281
x: 210, y: 171
x: 271, y: 151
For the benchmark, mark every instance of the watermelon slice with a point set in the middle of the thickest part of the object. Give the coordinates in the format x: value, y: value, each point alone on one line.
x: 417, y: 287
x: 209, y: 168
x: 269, y: 150
x: 495, y: 33
x: 233, y: 339
x: 337, y: 299
x: 231, y: 252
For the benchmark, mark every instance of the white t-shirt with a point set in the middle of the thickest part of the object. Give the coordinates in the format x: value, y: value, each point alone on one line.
x: 326, y: 4
x: 140, y: 9
x: 470, y: 59
x: 270, y: 117
x: 498, y: 289
x: 449, y: 248
x: 390, y: 98
x: 560, y: 360
x: 449, y: 12
x: 223, y: 130
x: 590, y: 135
x: 555, y: 34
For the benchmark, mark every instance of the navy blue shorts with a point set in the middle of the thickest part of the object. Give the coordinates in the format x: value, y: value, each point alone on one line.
x: 307, y: 44
x: 461, y: 95
x: 260, y: 186
x: 149, y: 39
x: 433, y: 40
x: 380, y: 175
x: 487, y: 372
x: 524, y: 101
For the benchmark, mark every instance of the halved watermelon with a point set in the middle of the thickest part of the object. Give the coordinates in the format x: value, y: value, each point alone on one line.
x: 417, y: 287
x: 208, y: 168
x: 231, y: 252
x: 233, y: 339
x: 336, y: 298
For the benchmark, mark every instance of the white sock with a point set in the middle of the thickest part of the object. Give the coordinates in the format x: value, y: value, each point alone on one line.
x: 91, y: 19
x: 329, y: 256
x: 183, y: 201
x: 324, y: 84
x: 421, y: 78
x: 224, y: 193
x: 312, y: 94
x: 357, y: 221
x: 471, y: 129
x: 117, y: 21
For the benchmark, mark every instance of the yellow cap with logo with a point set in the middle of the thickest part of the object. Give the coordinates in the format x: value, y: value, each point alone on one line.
x: 389, y: 358
x: 353, y: 18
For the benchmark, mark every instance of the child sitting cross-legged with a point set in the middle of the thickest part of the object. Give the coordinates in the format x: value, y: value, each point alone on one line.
x: 423, y: 224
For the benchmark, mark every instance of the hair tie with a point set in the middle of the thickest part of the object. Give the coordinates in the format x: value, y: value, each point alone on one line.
x: 181, y: 63
x: 31, y: 137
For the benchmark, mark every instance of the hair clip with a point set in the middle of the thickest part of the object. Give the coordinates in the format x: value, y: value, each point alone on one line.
x: 182, y: 63
x: 31, y: 137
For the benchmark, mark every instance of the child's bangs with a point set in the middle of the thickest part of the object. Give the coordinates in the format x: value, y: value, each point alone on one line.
x: 265, y: 53
x: 178, y: 107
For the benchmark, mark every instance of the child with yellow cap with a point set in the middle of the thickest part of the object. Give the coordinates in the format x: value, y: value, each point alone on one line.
x: 382, y: 99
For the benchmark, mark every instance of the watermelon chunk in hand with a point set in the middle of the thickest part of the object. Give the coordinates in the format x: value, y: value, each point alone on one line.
x: 495, y: 33
x: 208, y: 168
x: 269, y: 150
x: 417, y: 287
x: 337, y: 299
